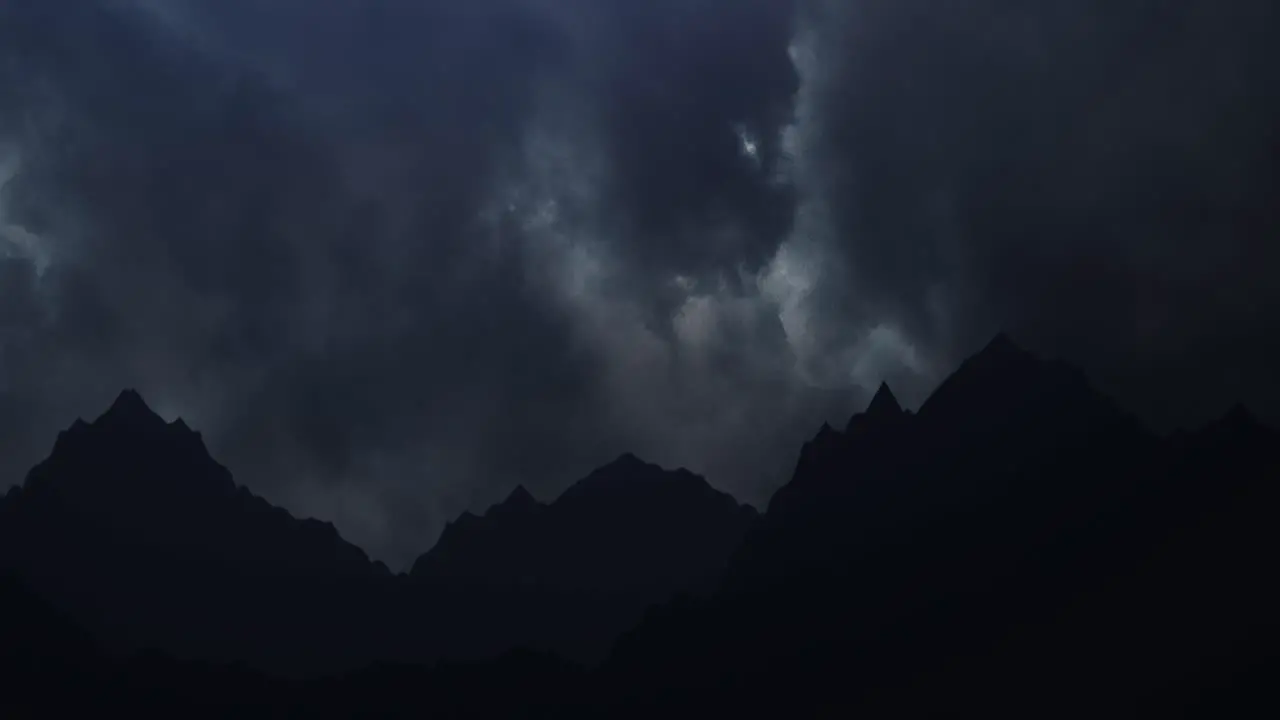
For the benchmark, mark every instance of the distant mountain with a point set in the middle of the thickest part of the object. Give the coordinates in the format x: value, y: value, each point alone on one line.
x: 1019, y: 546
x: 629, y: 526
x: 485, y: 550
x: 147, y: 541
x: 628, y: 535
x: 1020, y: 542
x: 140, y: 480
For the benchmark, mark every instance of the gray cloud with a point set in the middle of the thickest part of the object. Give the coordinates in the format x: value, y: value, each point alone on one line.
x: 1095, y: 178
x: 395, y: 258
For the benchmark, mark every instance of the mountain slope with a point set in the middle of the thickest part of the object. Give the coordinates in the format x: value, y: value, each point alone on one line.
x: 135, y: 530
x: 629, y: 526
x: 1020, y: 544
x: 132, y: 528
x: 586, y: 566
x: 132, y: 475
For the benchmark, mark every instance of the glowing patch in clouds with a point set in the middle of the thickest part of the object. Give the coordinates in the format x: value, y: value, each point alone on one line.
x: 883, y: 350
x: 684, y: 283
x: 748, y: 145
x: 15, y: 240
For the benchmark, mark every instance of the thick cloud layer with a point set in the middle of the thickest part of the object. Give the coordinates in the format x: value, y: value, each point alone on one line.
x: 1096, y: 177
x: 396, y: 257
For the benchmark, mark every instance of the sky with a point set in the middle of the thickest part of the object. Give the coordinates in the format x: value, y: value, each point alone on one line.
x: 395, y: 257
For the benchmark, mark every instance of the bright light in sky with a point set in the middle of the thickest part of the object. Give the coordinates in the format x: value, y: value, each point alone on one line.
x: 748, y: 145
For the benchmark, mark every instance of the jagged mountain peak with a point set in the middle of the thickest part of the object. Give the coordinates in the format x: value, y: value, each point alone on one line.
x: 623, y: 470
x: 1001, y: 354
x: 882, y: 411
x: 825, y: 441
x: 883, y: 403
x: 632, y: 530
x: 1002, y: 343
x: 130, y: 410
x: 628, y: 461
x: 131, y: 434
x: 520, y: 502
x: 131, y: 477
x: 1000, y: 376
x: 628, y: 476
x: 520, y: 498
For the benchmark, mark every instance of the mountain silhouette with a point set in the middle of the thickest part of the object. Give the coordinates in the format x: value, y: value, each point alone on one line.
x: 883, y: 405
x: 484, y: 550
x: 1018, y: 546
x: 138, y: 478
x: 132, y: 527
x: 636, y: 512
x: 628, y: 535
x: 518, y: 502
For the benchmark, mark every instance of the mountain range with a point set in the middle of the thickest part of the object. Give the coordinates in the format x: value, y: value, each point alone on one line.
x: 147, y: 541
x: 1019, y: 545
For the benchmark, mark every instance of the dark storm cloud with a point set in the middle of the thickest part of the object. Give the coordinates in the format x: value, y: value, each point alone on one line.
x: 1097, y: 177
x: 676, y: 76
x: 276, y: 219
x: 396, y: 257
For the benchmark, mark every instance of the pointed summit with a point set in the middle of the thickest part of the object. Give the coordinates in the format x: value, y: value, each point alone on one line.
x: 1008, y: 395
x: 882, y: 411
x: 1002, y: 343
x: 520, y: 496
x: 1002, y: 351
x: 627, y: 459
x: 130, y: 400
x: 623, y: 468
x: 884, y: 404
x: 520, y: 500
x: 130, y: 410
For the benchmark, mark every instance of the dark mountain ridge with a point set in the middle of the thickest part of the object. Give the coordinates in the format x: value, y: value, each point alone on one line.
x: 132, y: 527
x: 142, y: 537
x: 587, y: 565
x: 987, y: 549
x: 1019, y: 545
x: 629, y: 526
x: 131, y: 474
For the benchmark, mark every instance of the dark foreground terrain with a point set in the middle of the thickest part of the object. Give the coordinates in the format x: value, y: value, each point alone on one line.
x: 1020, y: 546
